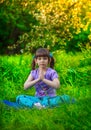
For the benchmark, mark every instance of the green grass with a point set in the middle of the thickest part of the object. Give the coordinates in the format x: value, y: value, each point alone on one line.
x: 75, y: 76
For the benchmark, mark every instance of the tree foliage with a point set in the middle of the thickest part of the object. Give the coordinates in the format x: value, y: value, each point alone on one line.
x: 54, y: 24
x: 15, y: 20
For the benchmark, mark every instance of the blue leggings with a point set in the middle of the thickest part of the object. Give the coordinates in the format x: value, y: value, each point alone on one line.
x: 29, y: 101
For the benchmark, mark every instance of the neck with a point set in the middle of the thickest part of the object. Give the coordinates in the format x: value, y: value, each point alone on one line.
x: 43, y: 68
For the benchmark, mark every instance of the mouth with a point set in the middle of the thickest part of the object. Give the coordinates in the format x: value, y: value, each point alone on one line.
x: 42, y: 64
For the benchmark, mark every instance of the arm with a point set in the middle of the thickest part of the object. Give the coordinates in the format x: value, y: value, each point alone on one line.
x: 30, y: 82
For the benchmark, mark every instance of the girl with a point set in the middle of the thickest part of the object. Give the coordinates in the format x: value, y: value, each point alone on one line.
x: 43, y: 77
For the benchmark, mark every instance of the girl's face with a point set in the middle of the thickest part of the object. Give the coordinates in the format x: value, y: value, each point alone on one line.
x: 42, y: 61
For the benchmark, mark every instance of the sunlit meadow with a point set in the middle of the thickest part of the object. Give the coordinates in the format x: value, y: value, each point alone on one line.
x: 74, y: 72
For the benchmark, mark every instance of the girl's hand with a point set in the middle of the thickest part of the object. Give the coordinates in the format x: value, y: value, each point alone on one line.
x: 41, y: 74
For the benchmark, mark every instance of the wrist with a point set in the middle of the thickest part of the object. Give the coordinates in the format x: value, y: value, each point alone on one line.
x: 43, y: 79
x: 38, y: 79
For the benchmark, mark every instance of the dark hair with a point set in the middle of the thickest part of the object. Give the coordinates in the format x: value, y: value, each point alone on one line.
x: 45, y: 53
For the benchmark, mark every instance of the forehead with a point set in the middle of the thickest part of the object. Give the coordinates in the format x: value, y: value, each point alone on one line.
x: 42, y: 55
